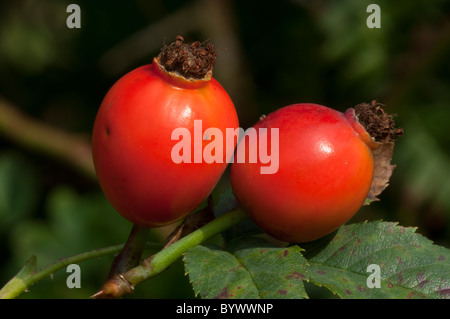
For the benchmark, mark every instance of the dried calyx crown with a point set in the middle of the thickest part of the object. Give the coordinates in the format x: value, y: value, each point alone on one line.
x: 191, y: 60
x: 381, y: 128
x: 377, y: 122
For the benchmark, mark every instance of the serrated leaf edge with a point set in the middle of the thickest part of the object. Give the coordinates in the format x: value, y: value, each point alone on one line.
x: 410, y: 229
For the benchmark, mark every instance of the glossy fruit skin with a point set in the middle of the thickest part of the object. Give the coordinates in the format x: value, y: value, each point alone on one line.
x: 132, y: 143
x: 324, y: 176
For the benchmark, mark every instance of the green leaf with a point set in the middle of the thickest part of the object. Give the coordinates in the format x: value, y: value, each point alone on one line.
x: 215, y: 273
x: 250, y: 269
x: 278, y: 272
x: 410, y: 265
x: 225, y: 202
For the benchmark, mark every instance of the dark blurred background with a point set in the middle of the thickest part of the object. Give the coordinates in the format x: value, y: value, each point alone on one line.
x: 270, y: 54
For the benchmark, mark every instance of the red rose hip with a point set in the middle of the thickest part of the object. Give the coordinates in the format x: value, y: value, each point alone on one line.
x: 133, y: 142
x: 326, y: 167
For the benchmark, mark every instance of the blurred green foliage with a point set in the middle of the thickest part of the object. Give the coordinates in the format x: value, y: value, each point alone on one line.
x: 270, y: 54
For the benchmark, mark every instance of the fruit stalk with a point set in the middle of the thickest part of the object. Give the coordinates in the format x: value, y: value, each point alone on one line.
x: 131, y: 253
x: 123, y: 284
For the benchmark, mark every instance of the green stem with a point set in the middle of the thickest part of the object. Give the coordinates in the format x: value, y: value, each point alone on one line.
x: 27, y: 275
x: 124, y: 283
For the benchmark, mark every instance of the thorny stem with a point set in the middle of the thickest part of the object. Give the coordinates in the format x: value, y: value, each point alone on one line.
x: 27, y: 276
x: 123, y: 284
